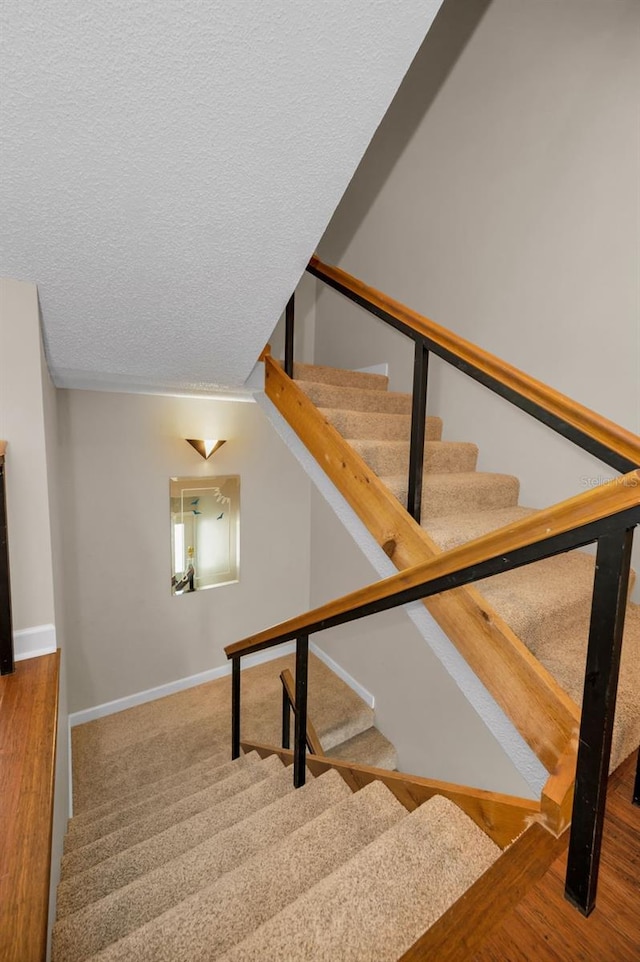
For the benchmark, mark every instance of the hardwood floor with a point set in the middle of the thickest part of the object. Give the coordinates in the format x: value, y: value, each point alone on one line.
x: 545, y: 928
x: 28, y: 711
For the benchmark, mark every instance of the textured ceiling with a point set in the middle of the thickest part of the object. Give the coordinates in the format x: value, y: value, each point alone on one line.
x: 169, y: 165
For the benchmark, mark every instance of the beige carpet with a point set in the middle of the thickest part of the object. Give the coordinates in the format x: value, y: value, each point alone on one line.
x: 177, y: 854
x: 546, y: 604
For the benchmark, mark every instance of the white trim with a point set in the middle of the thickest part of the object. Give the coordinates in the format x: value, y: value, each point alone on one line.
x: 161, y: 691
x: 34, y: 642
x: 70, y: 769
x: 375, y: 369
x: 341, y: 673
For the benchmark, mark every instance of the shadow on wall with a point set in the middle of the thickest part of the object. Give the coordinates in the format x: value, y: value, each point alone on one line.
x: 451, y: 31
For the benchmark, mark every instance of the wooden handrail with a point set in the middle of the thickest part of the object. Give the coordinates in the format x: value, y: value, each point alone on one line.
x: 502, y: 817
x: 611, y: 498
x: 600, y: 430
x: 313, y: 741
x: 3, y: 448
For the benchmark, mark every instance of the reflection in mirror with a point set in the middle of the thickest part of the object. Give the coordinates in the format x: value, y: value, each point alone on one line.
x: 205, y: 532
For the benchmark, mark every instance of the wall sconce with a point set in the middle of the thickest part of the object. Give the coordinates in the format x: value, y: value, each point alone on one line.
x: 205, y: 448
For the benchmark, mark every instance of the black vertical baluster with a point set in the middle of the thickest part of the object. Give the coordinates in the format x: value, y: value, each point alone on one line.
x: 286, y: 719
x: 7, y: 665
x: 636, y: 787
x: 300, y: 729
x: 235, y: 707
x: 418, y: 427
x: 598, y: 707
x: 289, y: 318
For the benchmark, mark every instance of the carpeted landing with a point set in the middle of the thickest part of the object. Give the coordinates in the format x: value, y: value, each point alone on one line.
x: 546, y: 604
x: 179, y: 854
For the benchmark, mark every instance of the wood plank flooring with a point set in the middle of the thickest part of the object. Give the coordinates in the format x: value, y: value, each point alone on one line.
x: 545, y: 928
x: 28, y: 721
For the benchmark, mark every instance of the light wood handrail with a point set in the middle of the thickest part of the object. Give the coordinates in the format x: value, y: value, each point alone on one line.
x: 597, y: 504
x: 3, y: 448
x: 502, y: 817
x: 601, y: 430
x: 313, y: 740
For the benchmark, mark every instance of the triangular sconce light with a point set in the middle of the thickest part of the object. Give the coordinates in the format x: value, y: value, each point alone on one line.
x: 205, y: 448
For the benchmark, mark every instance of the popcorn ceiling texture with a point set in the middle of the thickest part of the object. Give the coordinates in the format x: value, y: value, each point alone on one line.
x: 168, y: 169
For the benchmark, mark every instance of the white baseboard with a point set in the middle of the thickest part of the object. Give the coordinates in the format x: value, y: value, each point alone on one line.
x: 161, y: 691
x: 34, y: 642
x: 375, y: 369
x: 341, y: 673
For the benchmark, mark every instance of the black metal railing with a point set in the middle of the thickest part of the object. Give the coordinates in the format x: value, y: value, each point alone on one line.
x: 613, y: 446
x: 7, y: 664
x: 613, y: 535
x: 423, y: 346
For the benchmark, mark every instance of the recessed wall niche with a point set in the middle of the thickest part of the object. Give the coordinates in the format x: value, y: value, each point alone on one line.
x: 205, y: 532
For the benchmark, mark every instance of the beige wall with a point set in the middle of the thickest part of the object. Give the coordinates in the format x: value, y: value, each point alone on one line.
x: 418, y: 705
x: 500, y: 198
x: 126, y: 633
x: 22, y: 424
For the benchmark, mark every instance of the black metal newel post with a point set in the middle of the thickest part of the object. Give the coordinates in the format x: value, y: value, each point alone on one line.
x: 418, y: 428
x: 235, y: 707
x: 300, y: 730
x: 7, y: 664
x: 286, y: 719
x: 289, y: 318
x: 598, y: 707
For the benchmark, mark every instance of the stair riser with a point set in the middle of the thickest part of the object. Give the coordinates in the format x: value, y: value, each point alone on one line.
x: 154, y: 803
x: 440, y: 457
x: 378, y: 427
x: 114, y: 873
x: 352, y: 399
x: 362, y: 380
x: 112, y: 918
x: 89, y: 855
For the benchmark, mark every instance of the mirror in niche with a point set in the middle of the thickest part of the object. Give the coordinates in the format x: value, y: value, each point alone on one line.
x: 205, y: 532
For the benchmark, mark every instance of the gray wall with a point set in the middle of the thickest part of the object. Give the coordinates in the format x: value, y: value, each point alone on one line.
x: 418, y: 705
x: 499, y: 197
x: 22, y: 425
x: 126, y: 633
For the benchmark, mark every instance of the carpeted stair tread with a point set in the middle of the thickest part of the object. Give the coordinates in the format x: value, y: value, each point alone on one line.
x: 107, y: 777
x: 104, y: 772
x: 83, y: 819
x: 355, y: 399
x: 545, y: 599
x: 459, y: 493
x: 234, y: 780
x: 376, y: 425
x: 392, y: 457
x: 450, y: 531
x: 342, y: 377
x: 374, y: 907
x: 368, y: 748
x: 210, y: 922
x: 98, y: 881
x: 566, y: 659
x: 156, y: 801
x: 90, y: 930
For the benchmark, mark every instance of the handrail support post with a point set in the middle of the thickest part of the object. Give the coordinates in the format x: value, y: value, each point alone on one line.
x: 7, y: 660
x: 611, y: 585
x: 286, y: 719
x: 300, y: 731
x: 289, y: 324
x: 418, y: 428
x: 235, y: 707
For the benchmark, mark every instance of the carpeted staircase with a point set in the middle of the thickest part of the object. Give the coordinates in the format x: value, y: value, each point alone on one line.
x: 546, y: 604
x: 177, y: 854
x: 201, y: 858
